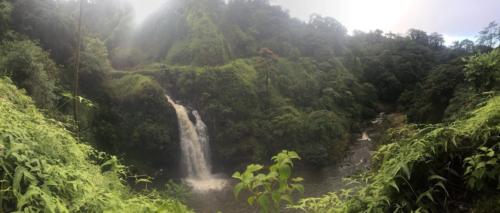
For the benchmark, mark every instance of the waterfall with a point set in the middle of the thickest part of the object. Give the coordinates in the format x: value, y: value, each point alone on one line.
x: 195, y: 150
x: 201, y: 130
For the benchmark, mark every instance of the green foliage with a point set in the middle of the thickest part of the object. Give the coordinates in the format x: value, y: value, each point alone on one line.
x: 264, y: 82
x: 481, y: 74
x: 5, y: 11
x: 490, y: 35
x: 429, y: 168
x: 131, y: 85
x: 44, y: 169
x: 86, y: 102
x: 137, y: 121
x: 268, y: 191
x: 94, y: 68
x: 435, y: 94
x: 31, y: 69
x: 205, y: 44
x: 305, y: 105
x: 426, y: 168
x: 49, y: 23
x: 326, y: 37
x: 483, y: 167
x: 392, y: 65
x: 483, y: 70
x: 487, y: 204
x: 178, y: 191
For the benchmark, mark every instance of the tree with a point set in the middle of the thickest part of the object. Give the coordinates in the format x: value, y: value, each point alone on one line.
x: 94, y: 69
x: 436, y: 40
x: 267, y: 64
x: 490, y: 35
x: 324, y: 37
x: 31, y: 69
x: 483, y: 71
x: 48, y: 22
x: 467, y: 45
x: 205, y: 44
x: 418, y: 36
x: 5, y: 11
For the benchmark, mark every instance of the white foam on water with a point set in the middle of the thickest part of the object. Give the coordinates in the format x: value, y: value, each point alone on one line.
x: 195, y: 151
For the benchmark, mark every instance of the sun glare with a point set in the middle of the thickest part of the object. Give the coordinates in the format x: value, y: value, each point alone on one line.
x: 367, y: 15
x: 143, y: 8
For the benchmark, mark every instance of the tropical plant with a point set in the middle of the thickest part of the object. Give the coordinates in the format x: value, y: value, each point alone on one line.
x: 179, y: 191
x: 31, y: 68
x: 483, y: 70
x: 420, y: 169
x: 268, y: 191
x: 44, y: 169
x: 483, y: 167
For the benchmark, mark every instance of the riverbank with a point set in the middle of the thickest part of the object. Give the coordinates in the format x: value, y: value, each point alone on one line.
x: 317, y: 182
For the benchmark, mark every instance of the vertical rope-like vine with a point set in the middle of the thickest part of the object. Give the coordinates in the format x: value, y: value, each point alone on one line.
x: 77, y: 70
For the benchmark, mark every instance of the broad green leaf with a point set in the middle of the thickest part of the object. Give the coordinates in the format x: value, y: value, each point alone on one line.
x: 253, y: 168
x: 251, y: 200
x: 426, y: 194
x: 237, y: 175
x: 287, y: 198
x: 284, y: 172
x: 264, y: 202
x: 394, y: 185
x: 237, y: 189
x: 298, y: 187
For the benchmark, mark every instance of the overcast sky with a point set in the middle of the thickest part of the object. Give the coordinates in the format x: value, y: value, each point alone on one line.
x: 455, y: 19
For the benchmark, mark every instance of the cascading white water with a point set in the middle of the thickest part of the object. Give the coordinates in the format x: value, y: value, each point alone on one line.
x: 195, y: 150
x: 201, y: 129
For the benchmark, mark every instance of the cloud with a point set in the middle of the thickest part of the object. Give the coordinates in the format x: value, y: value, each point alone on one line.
x: 454, y: 18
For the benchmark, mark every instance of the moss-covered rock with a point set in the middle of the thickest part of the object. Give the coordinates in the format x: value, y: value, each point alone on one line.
x: 139, y: 123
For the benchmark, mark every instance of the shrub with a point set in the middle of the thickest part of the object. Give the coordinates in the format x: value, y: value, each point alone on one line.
x: 426, y: 168
x: 269, y: 190
x: 44, y: 169
x: 31, y: 69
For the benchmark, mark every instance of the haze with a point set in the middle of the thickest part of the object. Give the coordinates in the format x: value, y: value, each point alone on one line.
x: 456, y: 19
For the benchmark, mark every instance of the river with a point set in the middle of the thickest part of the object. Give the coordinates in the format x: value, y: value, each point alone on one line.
x: 317, y: 182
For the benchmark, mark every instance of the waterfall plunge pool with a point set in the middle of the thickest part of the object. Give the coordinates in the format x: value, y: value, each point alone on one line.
x: 213, y: 193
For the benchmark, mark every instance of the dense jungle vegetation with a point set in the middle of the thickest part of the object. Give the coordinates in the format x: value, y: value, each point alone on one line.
x: 263, y: 82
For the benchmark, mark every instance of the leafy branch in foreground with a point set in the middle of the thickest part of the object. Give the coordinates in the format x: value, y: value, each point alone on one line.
x: 269, y: 190
x: 483, y: 167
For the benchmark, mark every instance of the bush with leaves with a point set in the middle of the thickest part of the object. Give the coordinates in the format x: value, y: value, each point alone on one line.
x: 483, y: 70
x: 44, y: 169
x: 483, y: 168
x: 180, y: 191
x: 30, y: 68
x: 94, y: 70
x: 268, y: 191
x: 5, y: 10
x: 136, y: 121
x: 426, y: 168
x: 304, y: 103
